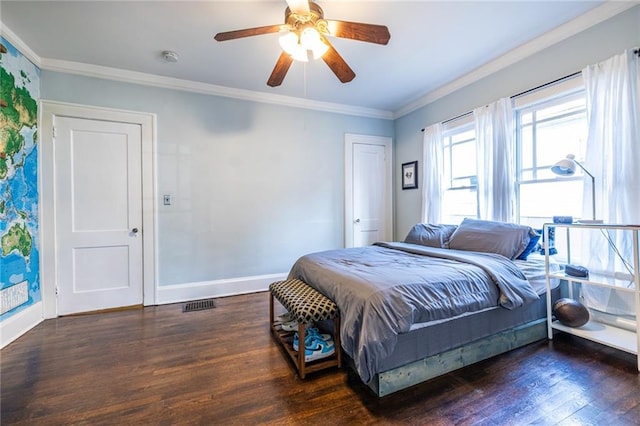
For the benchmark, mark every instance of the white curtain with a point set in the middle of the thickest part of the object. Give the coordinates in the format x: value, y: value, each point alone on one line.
x: 432, y: 169
x: 613, y: 157
x: 495, y: 142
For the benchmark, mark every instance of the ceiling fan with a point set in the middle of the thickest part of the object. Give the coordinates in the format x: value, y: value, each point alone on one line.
x: 304, y: 35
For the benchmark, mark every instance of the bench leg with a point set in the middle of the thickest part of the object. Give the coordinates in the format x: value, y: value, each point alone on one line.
x: 336, y: 339
x: 271, y: 317
x: 302, y: 329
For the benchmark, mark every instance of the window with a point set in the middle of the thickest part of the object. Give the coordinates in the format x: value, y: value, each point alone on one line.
x: 460, y: 197
x: 549, y: 124
x: 545, y: 133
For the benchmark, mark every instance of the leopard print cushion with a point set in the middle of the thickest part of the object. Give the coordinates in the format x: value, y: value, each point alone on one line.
x: 304, y: 302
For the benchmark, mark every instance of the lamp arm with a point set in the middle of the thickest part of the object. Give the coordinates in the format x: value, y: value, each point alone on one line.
x: 593, y: 190
x: 585, y: 170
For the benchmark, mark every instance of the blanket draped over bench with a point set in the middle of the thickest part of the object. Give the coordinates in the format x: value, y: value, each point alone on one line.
x: 383, y: 290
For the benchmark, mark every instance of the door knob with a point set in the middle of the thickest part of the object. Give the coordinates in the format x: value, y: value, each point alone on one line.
x: 357, y: 221
x: 134, y: 231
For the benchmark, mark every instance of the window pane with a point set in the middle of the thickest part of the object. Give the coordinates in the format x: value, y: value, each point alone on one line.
x: 539, y: 202
x: 463, y: 136
x: 526, y: 175
x: 458, y: 204
x: 459, y: 172
x: 557, y: 138
x: 526, y: 151
x: 572, y: 106
x: 464, y: 160
x: 553, y: 130
x: 526, y: 118
x: 447, y: 167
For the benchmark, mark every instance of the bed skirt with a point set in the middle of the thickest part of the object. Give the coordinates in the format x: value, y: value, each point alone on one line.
x: 416, y: 372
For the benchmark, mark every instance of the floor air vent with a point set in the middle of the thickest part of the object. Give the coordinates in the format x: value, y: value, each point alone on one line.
x: 199, y: 305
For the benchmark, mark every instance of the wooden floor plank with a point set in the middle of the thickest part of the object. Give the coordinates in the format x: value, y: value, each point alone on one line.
x: 159, y: 365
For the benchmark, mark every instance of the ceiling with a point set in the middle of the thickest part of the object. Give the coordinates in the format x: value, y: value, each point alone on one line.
x: 432, y: 43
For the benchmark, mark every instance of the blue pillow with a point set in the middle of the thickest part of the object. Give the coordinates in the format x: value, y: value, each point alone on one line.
x: 552, y: 240
x: 531, y: 247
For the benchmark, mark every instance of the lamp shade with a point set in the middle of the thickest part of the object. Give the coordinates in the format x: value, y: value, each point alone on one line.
x: 565, y: 167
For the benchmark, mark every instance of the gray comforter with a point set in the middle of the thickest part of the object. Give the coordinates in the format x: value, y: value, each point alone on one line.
x: 382, y: 290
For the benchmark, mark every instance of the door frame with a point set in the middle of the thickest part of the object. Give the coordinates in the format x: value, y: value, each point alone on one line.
x: 48, y: 268
x: 351, y: 139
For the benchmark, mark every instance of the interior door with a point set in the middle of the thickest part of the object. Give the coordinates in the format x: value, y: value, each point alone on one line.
x: 368, y: 206
x: 98, y: 210
x: 368, y: 194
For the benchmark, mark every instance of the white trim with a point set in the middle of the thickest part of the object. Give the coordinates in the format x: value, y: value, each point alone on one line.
x: 177, y: 293
x: 349, y: 140
x: 18, y: 324
x: 135, y: 77
x: 571, y: 28
x: 17, y: 42
x: 147, y: 122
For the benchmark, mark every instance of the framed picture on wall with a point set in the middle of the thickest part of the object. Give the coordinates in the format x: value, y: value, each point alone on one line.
x: 410, y: 175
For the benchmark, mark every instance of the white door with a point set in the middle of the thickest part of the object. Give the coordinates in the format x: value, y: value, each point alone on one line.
x: 368, y: 217
x: 98, y: 214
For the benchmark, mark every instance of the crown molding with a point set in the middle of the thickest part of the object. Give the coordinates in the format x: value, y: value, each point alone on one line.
x: 17, y: 42
x: 587, y: 20
x: 134, y: 77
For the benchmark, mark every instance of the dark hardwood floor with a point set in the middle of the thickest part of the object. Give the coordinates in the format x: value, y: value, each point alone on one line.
x: 161, y: 366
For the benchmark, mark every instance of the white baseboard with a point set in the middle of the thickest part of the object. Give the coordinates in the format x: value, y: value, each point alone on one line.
x: 18, y: 324
x: 177, y: 293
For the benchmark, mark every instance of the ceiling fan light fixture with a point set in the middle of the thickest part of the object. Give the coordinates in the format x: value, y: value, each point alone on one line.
x: 310, y: 40
x: 288, y: 42
x: 303, y: 43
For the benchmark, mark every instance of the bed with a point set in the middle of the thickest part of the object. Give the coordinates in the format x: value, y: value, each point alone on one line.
x: 445, y: 297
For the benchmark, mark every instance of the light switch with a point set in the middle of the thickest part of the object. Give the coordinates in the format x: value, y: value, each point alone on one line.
x: 167, y: 200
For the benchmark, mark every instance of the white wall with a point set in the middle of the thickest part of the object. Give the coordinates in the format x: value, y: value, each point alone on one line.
x: 254, y: 185
x: 573, y: 54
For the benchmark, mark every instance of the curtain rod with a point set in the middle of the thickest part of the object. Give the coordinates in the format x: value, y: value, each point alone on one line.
x: 527, y: 91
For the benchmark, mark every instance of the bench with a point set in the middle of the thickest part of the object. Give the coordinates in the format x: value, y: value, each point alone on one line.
x: 306, y: 305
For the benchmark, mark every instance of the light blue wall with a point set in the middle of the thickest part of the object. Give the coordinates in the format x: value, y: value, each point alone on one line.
x: 573, y: 54
x: 254, y: 185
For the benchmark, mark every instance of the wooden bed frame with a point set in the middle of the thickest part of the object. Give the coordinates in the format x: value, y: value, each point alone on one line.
x: 411, y: 374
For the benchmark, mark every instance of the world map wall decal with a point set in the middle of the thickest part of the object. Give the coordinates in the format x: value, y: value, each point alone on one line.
x: 19, y: 258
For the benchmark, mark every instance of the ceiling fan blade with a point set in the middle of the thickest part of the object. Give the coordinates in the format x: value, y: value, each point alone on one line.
x: 299, y: 7
x: 370, y: 33
x: 338, y: 65
x: 247, y: 32
x: 280, y: 70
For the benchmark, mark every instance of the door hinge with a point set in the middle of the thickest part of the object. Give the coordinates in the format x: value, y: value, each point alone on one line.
x: 57, y: 292
x: 54, y: 132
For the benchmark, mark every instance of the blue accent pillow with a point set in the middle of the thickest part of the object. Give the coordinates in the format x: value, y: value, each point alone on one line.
x: 552, y: 240
x: 531, y: 247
